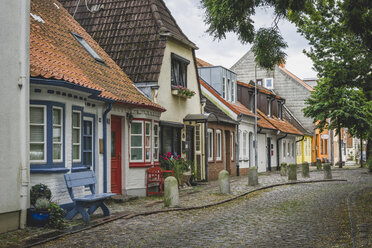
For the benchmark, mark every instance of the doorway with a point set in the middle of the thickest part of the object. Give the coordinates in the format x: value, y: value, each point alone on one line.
x: 269, y: 154
x: 116, y: 155
x: 190, y: 143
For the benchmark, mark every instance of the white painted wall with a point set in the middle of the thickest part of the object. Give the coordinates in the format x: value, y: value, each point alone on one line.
x: 14, y: 70
x: 288, y: 157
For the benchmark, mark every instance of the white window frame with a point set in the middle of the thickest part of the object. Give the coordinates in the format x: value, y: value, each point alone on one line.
x: 142, y: 138
x: 228, y: 98
x: 284, y: 148
x: 197, y: 138
x: 210, y: 144
x: 80, y: 142
x: 232, y: 145
x: 154, y: 146
x: 87, y: 118
x: 289, y: 149
x: 45, y: 134
x: 232, y: 91
x: 218, y: 145
x: 240, y: 137
x: 149, y: 146
x: 272, y: 83
x: 61, y: 142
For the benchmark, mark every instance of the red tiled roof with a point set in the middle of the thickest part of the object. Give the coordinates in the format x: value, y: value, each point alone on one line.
x: 202, y: 63
x: 259, y: 88
x: 236, y: 108
x: 282, y: 125
x: 56, y: 54
x: 296, y: 78
x: 262, y: 122
x: 133, y: 32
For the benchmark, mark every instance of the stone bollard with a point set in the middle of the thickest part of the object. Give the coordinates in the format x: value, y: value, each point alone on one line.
x: 292, y: 172
x: 305, y: 170
x: 171, y: 195
x: 224, y: 182
x: 327, y: 171
x: 318, y: 164
x: 283, y: 169
x: 252, y: 176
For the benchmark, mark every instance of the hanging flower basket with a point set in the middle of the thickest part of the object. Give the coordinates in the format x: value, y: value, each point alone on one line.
x: 182, y: 92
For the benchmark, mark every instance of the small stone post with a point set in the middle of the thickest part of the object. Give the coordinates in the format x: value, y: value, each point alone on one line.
x: 292, y: 172
x: 171, y: 195
x: 305, y: 170
x: 327, y: 171
x: 283, y: 169
x: 224, y: 182
x: 318, y: 164
x: 252, y: 176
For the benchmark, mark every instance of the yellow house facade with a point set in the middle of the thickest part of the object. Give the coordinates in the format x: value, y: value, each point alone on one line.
x: 304, y: 149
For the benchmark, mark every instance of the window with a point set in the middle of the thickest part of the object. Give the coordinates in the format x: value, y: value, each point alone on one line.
x: 156, y: 142
x: 76, y: 136
x: 218, y: 145
x: 240, y: 137
x: 228, y: 90
x: 289, y: 149
x: 321, y: 146
x: 251, y: 101
x: 232, y: 145
x: 245, y: 147
x: 57, y: 134
x: 284, y: 147
x: 259, y: 82
x: 280, y: 110
x: 170, y: 139
x: 269, y: 83
x: 179, y: 70
x: 88, y: 142
x: 269, y: 107
x: 299, y: 146
x: 87, y: 47
x: 147, y: 141
x: 197, y: 138
x: 136, y: 141
x: 224, y: 88
x: 325, y: 146
x: 210, y: 144
x: 293, y: 149
x: 37, y: 134
x: 232, y: 92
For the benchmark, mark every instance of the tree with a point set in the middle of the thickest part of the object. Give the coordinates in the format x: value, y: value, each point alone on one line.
x: 334, y: 108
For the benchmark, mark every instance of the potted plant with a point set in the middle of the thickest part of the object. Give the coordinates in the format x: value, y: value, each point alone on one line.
x: 40, y: 212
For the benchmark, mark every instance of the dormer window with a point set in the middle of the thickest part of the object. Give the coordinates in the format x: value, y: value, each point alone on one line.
x: 228, y: 90
x: 87, y: 47
x: 251, y: 100
x: 269, y: 83
x: 259, y: 82
x: 280, y: 110
x: 269, y: 107
x: 179, y: 70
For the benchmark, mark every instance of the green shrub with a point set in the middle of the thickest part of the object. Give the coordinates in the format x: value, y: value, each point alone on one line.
x: 56, y: 217
x: 39, y: 191
x: 42, y: 204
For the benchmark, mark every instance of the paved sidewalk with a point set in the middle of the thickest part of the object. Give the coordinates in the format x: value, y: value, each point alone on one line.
x: 198, y: 196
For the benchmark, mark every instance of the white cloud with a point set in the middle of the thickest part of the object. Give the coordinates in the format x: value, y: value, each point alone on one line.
x: 226, y: 52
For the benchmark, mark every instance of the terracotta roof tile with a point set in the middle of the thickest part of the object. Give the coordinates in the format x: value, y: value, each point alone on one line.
x: 132, y: 32
x: 282, y: 125
x: 202, y: 63
x: 56, y: 54
x: 242, y: 109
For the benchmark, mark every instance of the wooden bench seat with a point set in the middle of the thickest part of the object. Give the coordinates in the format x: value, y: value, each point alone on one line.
x: 92, y: 201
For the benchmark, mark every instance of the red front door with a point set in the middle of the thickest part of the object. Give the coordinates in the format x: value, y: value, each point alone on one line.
x: 116, y: 154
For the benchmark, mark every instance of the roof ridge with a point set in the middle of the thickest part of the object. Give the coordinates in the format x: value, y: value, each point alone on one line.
x: 296, y: 78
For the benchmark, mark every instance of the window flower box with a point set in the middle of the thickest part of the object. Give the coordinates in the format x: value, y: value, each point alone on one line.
x: 182, y: 92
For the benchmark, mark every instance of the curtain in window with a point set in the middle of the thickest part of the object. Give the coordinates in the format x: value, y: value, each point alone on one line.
x: 37, y: 131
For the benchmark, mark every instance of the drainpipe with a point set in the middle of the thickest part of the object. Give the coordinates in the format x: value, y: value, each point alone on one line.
x: 105, y: 147
x: 303, y: 137
x: 206, y: 150
x: 277, y: 150
x: 237, y: 147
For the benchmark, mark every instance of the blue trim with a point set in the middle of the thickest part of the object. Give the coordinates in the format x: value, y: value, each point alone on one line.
x: 49, y: 138
x: 105, y: 147
x: 65, y: 84
x: 100, y: 98
x: 79, y: 168
x: 46, y: 170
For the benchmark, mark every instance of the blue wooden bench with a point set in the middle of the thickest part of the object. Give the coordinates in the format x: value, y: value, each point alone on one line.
x: 92, y: 201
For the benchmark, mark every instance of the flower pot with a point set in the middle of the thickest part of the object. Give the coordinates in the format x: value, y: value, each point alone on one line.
x: 38, y: 218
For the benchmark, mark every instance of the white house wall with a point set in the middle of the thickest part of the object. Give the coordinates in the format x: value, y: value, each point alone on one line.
x: 288, y: 158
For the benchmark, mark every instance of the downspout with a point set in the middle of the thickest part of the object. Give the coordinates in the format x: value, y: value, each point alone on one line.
x: 105, y: 147
x: 277, y: 151
x: 237, y: 147
x: 303, y: 137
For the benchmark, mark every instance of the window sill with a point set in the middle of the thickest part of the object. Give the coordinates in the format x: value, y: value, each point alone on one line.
x: 79, y: 168
x: 140, y: 165
x: 48, y: 170
x: 176, y: 93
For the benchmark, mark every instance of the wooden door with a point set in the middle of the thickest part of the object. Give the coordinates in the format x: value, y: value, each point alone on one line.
x: 116, y: 155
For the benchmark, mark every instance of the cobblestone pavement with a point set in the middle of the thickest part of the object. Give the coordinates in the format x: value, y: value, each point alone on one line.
x: 302, y: 215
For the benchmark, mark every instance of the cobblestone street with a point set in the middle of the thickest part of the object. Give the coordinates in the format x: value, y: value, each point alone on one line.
x: 302, y: 215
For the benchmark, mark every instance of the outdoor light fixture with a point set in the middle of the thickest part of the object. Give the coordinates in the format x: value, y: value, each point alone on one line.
x: 130, y: 117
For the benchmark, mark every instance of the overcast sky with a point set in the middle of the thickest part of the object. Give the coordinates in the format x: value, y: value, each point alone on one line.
x: 227, y: 52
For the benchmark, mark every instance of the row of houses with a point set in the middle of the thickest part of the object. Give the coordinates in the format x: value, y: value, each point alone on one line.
x: 110, y: 90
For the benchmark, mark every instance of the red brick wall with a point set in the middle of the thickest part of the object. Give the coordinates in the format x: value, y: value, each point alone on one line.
x: 214, y: 167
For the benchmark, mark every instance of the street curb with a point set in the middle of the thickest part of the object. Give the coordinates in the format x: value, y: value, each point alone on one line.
x: 130, y: 216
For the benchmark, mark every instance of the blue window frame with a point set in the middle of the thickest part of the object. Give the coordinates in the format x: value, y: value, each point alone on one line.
x: 47, y: 137
x: 83, y: 142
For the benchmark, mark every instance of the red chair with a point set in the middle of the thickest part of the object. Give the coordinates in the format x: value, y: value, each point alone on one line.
x: 154, y: 175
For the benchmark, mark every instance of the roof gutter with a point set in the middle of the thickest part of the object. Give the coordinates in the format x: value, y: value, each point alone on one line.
x: 303, y: 137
